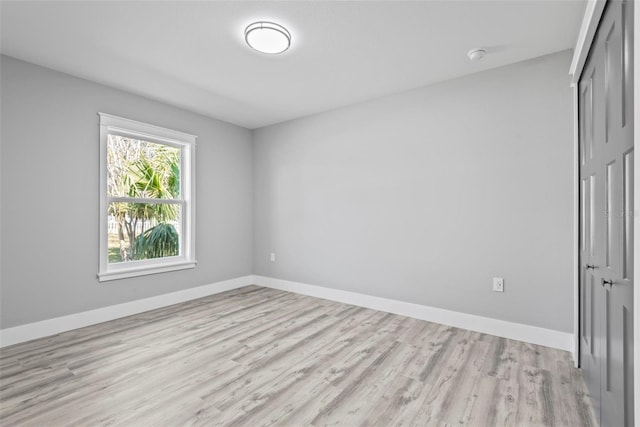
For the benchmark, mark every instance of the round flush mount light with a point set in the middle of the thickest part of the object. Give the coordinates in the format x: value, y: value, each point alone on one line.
x: 477, y: 54
x: 267, y: 37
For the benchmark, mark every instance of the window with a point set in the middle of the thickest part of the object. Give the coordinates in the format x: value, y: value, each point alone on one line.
x: 146, y: 199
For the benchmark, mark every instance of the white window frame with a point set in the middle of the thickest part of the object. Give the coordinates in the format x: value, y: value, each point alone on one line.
x: 110, y: 124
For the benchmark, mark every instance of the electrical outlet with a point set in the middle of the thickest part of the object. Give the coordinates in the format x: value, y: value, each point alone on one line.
x: 273, y: 256
x: 498, y: 284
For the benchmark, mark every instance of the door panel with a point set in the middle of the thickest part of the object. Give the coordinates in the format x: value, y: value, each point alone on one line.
x: 606, y: 249
x: 593, y: 255
x: 627, y: 226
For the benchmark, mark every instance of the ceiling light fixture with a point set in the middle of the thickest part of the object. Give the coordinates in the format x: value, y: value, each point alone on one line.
x: 477, y: 54
x: 267, y: 37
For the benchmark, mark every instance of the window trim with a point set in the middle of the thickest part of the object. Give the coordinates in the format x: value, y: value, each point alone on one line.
x: 110, y: 124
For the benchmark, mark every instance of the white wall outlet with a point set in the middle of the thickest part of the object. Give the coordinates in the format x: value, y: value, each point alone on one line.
x: 498, y: 284
x: 273, y: 256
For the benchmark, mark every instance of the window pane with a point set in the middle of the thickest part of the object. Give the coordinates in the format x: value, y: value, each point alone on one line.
x: 140, y: 231
x: 142, y: 169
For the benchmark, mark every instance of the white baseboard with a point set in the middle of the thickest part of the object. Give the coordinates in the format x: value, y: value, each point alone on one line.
x: 501, y: 328
x: 57, y: 325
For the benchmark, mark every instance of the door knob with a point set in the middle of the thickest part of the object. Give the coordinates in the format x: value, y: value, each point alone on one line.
x: 590, y: 267
x: 607, y: 282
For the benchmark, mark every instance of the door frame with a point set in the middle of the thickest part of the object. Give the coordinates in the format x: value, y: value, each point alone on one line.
x: 592, y: 15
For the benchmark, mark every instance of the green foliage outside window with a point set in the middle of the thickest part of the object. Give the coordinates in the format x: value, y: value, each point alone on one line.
x: 143, y: 170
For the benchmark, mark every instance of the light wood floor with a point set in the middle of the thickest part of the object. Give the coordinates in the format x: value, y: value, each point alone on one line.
x: 257, y: 356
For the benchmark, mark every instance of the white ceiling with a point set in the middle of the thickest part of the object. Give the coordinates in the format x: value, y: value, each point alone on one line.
x: 192, y: 53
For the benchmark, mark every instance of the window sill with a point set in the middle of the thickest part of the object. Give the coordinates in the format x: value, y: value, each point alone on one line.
x: 123, y: 273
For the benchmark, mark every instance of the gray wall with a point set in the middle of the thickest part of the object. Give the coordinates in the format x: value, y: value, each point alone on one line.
x: 426, y: 195
x: 50, y: 195
x: 421, y: 197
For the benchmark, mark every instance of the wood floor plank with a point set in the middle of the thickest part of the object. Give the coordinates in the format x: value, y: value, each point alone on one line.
x: 262, y: 357
x: 353, y: 404
x: 398, y: 404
